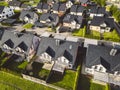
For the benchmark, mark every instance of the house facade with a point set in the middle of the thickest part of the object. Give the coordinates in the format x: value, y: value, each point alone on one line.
x: 6, y: 12
x: 28, y: 16
x: 22, y: 44
x: 103, y: 63
x: 63, y: 53
x: 101, y: 24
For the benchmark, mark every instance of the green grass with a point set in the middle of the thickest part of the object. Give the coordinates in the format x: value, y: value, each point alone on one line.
x: 112, y: 36
x: 28, y: 26
x: 95, y: 86
x: 78, y: 33
x: 2, y: 3
x: 6, y: 87
x: 68, y: 80
x: 23, y: 65
x: 44, y: 73
x: 19, y: 82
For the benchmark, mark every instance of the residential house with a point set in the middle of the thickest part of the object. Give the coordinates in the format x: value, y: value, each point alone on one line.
x: 96, y: 11
x: 102, y: 24
x: 43, y: 7
x: 48, y: 19
x: 51, y: 2
x: 72, y: 22
x: 77, y: 10
x: 63, y: 53
x: 23, y: 44
x: 59, y: 8
x: 28, y: 16
x: 83, y: 2
x: 103, y: 63
x: 15, y: 4
x: 5, y: 12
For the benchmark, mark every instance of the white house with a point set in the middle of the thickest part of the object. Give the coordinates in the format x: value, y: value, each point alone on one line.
x: 6, y: 12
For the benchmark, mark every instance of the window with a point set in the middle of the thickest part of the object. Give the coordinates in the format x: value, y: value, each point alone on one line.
x: 101, y: 69
x: 3, y: 12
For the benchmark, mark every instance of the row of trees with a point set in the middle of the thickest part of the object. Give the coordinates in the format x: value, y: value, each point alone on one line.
x: 115, y: 12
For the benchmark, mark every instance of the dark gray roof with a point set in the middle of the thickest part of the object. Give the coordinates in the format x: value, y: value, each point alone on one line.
x: 69, y: 18
x: 101, y: 55
x: 52, y: 17
x: 77, y: 8
x: 97, y: 10
x: 1, y: 8
x: 97, y: 21
x: 1, y: 33
x: 29, y: 14
x: 67, y: 49
x: 15, y: 3
x: 65, y: 29
x: 43, y: 6
x: 73, y: 8
x: 59, y: 7
x: 84, y: 1
x: 17, y: 39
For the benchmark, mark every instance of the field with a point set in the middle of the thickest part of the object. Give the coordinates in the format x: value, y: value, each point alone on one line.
x: 12, y: 82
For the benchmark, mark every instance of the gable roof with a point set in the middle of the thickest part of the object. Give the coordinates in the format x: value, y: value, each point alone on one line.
x: 15, y: 3
x: 101, y: 55
x: 17, y: 38
x: 29, y: 14
x: 43, y: 5
x: 1, y: 8
x: 68, y: 49
x: 69, y: 18
x: 97, y: 21
x: 97, y: 10
x: 59, y: 7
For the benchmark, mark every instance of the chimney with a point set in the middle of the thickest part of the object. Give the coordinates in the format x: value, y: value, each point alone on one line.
x: 70, y: 47
x: 57, y: 42
x: 113, y: 52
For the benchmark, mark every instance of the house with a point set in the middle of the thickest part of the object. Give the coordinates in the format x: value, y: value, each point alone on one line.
x: 43, y: 7
x: 103, y: 63
x: 102, y: 24
x: 22, y: 44
x: 72, y: 22
x: 96, y: 11
x: 69, y: 4
x: 59, y: 8
x: 48, y: 19
x: 5, y: 12
x: 83, y: 2
x: 77, y: 10
x: 51, y: 2
x: 15, y: 4
x: 28, y: 16
x: 63, y: 53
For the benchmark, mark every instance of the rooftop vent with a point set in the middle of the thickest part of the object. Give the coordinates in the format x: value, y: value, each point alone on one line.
x: 113, y: 52
x: 70, y: 47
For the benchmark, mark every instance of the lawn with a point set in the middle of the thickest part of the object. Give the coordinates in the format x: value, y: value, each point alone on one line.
x: 112, y: 36
x: 95, y: 86
x: 43, y: 74
x: 2, y: 3
x: 68, y: 80
x: 86, y: 83
x: 18, y: 82
x: 28, y: 26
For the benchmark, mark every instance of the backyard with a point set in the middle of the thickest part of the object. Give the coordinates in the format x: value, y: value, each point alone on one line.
x: 86, y: 83
x: 12, y: 82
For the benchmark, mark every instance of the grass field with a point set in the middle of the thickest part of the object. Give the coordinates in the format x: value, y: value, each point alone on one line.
x: 12, y: 82
x: 68, y: 80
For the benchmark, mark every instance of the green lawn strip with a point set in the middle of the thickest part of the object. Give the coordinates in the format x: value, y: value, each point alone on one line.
x: 23, y: 65
x: 3, y: 3
x: 4, y: 86
x: 21, y: 83
x: 96, y: 86
x: 3, y: 61
x: 68, y: 80
x: 112, y: 36
x: 44, y: 73
x: 28, y: 26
